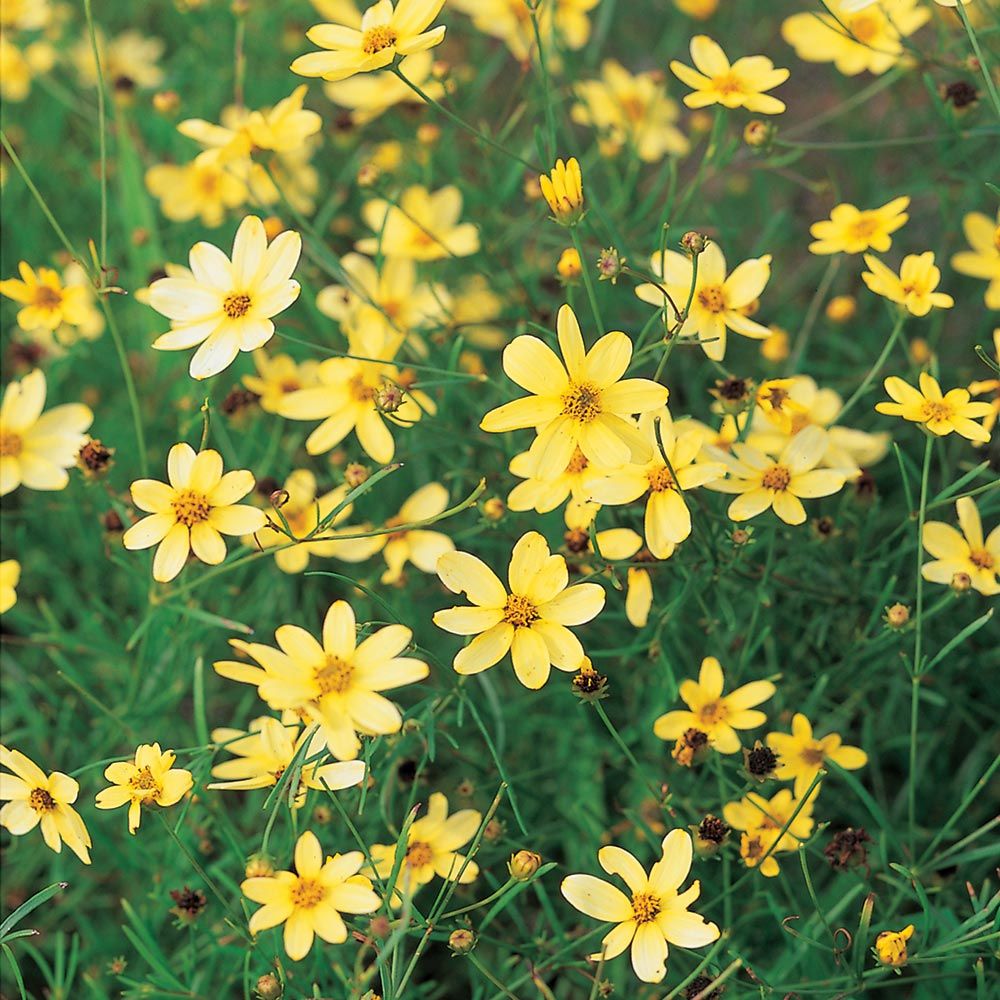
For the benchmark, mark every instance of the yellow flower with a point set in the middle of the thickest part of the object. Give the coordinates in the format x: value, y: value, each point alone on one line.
x: 192, y: 512
x: 940, y: 414
x: 667, y: 519
x: 775, y: 400
x: 913, y: 288
x: 855, y: 40
x: 762, y: 821
x: 530, y: 621
x: 277, y: 375
x: 335, y: 684
x: 701, y: 9
x: 37, y: 448
x: 963, y: 552
x: 430, y: 849
x: 715, y: 714
x: 765, y: 483
x: 542, y: 495
x: 776, y: 347
x: 310, y: 900
x: 371, y: 96
x: 18, y: 68
x: 206, y: 188
x: 890, y: 946
x: 31, y: 798
x: 423, y: 226
x: 473, y: 306
x: 983, y: 386
x: 264, y: 753
x: 738, y: 85
x: 982, y: 260
x: 801, y: 755
x: 25, y: 15
x: 150, y: 778
x: 718, y: 303
x: 563, y: 191
x: 87, y: 318
x: 851, y: 230
x: 47, y: 303
x: 128, y: 62
x: 383, y: 34
x: 569, y: 267
x: 10, y: 574
x: 581, y: 402
x: 226, y: 306
x: 653, y: 913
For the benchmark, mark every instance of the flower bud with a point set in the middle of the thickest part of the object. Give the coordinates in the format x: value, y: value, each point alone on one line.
x: 694, y: 242
x: 462, y: 941
x: 610, y: 265
x: 961, y: 582
x: 890, y: 946
x: 259, y: 867
x: 94, y: 459
x: 269, y: 987
x: 841, y: 308
x: 388, y: 398
x: 710, y: 836
x: 494, y: 508
x: 569, y: 266
x: 166, y: 102
x: 355, y: 474
x: 523, y: 865
x: 897, y: 616
x: 757, y: 133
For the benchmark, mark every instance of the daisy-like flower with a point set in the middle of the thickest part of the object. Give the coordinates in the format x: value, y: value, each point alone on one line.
x: 370, y: 96
x: 226, y: 306
x: 33, y: 798
x: 335, y: 684
x: 890, y: 946
x: 964, y: 551
x: 431, y: 849
x: 741, y: 84
x: 385, y: 32
x: 46, y: 303
x: 719, y: 302
x: 204, y: 189
x: 667, y: 519
x: 150, y: 778
x: 277, y: 376
x: 853, y: 230
x: 563, y: 191
x: 762, y: 821
x: 10, y: 574
x: 530, y: 621
x: 765, y: 483
x: 193, y: 512
x: 801, y: 755
x: 653, y: 913
x: 579, y: 402
x: 913, y: 288
x: 510, y: 21
x: 37, y: 448
x: 982, y: 259
x: 264, y: 753
x: 713, y: 713
x: 310, y: 900
x: 939, y: 413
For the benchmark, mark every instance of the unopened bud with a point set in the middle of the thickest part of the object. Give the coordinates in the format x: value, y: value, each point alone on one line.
x: 494, y: 508
x: 569, y: 267
x: 462, y: 941
x: 389, y: 398
x: 523, y: 865
x: 897, y: 616
x: 757, y: 133
x: 610, y: 265
x: 166, y: 102
x: 694, y: 242
x: 368, y: 174
x: 269, y: 987
x: 259, y: 867
x: 961, y: 582
x: 841, y: 308
x: 273, y: 227
x: 355, y: 474
x: 428, y: 133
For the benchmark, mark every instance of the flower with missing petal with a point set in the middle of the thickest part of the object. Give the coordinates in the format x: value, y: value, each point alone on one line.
x: 150, y: 778
x: 940, y: 413
x: 853, y: 230
x: 801, y: 755
x: 193, y: 512
x: 530, y: 621
x: 913, y: 288
x: 964, y: 551
x: 653, y: 913
x: 226, y: 305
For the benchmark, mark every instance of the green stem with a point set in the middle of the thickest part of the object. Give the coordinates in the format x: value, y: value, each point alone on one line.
x: 133, y: 395
x: 102, y: 130
x: 875, y: 368
x: 588, y: 281
x: 984, y: 67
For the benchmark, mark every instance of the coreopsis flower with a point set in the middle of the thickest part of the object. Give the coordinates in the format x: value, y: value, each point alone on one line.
x: 719, y: 302
x: 964, y: 551
x: 663, y: 481
x: 563, y: 191
x: 19, y: 67
x: 310, y: 900
x: 890, y: 946
x: 853, y: 230
x: 129, y: 62
x: 205, y: 188
x: 941, y: 414
x: 774, y: 399
x: 762, y: 821
x: 653, y: 913
x: 370, y: 96
x: 335, y: 684
x: 226, y: 306
x: 474, y: 307
x: 192, y: 512
x: 579, y: 402
x: 982, y: 387
x: 779, y: 484
x: 542, y: 495
x: 33, y: 798
x: 10, y: 574
x: 855, y: 40
x: 913, y: 288
x: 715, y: 714
x: 277, y: 376
x: 37, y: 448
x: 801, y: 755
x: 150, y: 778
x: 266, y: 751
x: 423, y: 226
x: 430, y: 849
x: 530, y: 621
x: 46, y: 303
x: 384, y: 33
x: 87, y: 318
x: 741, y: 84
x: 982, y: 259
x: 630, y: 111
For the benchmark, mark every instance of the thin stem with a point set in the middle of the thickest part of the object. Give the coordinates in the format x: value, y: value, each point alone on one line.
x: 609, y: 725
x: 875, y: 368
x: 588, y: 281
x: 813, y: 314
x: 983, y: 66
x: 102, y: 130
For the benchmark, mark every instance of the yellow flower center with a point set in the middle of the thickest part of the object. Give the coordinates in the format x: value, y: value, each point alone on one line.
x: 10, y: 443
x: 865, y: 27
x: 645, y: 907
x: 419, y: 854
x: 712, y: 298
x: 729, y: 84
x: 660, y: 480
x: 520, y: 612
x: 47, y: 297
x: 41, y: 801
x: 577, y: 463
x: 307, y: 893
x: 936, y: 410
x: 582, y: 402
x: 713, y: 713
x: 378, y: 38
x: 981, y: 558
x: 144, y: 785
x: 864, y: 226
x: 335, y: 676
x: 236, y: 305
x: 776, y: 478
x: 191, y: 508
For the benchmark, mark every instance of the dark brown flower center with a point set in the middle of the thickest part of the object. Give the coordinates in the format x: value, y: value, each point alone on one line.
x: 41, y: 801
x: 520, y: 612
x: 191, y: 508
x: 236, y: 305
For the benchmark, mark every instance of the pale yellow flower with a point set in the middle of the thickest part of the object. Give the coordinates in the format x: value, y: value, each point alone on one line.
x: 277, y: 376
x: 129, y: 61
x: 762, y: 821
x: 206, y: 188
x: 370, y: 96
x: 149, y: 779
x: 982, y: 260
x: 963, y: 552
